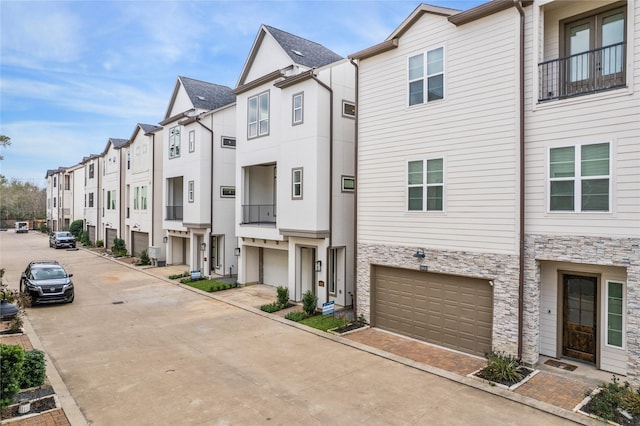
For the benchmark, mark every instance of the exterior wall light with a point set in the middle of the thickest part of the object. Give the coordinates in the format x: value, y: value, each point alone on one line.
x: 236, y: 251
x: 203, y: 246
x: 419, y: 254
x: 165, y: 240
x: 318, y: 265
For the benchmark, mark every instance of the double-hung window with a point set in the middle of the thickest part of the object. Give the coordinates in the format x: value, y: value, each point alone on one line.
x: 615, y: 314
x: 426, y: 75
x: 143, y: 197
x: 297, y: 108
x: 579, y: 178
x: 191, y: 191
x: 296, y: 184
x: 174, y: 142
x: 425, y: 180
x: 136, y: 198
x: 258, y: 115
x: 192, y: 140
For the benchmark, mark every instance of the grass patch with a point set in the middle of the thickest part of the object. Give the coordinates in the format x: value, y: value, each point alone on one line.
x: 323, y: 322
x: 176, y: 276
x: 209, y: 285
x: 296, y: 316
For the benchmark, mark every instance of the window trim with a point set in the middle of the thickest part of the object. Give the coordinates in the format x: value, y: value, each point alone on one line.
x: 345, y: 104
x: 577, y: 179
x: 222, y: 191
x: 257, y: 98
x: 295, y: 183
x: 624, y: 317
x: 191, y: 187
x: 293, y: 108
x: 174, y: 147
x: 143, y: 197
x: 424, y: 185
x: 344, y: 178
x: 192, y: 140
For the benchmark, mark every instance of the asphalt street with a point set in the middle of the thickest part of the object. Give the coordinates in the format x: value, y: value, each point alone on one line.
x: 134, y: 349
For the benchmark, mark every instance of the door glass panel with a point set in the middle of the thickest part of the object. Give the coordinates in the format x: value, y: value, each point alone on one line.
x: 612, y: 33
x: 579, y: 42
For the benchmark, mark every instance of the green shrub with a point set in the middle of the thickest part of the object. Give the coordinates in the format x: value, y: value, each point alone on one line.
x: 309, y: 302
x: 119, y: 247
x: 270, y: 308
x: 176, y: 276
x: 33, y: 369
x: 502, y: 368
x: 283, y: 296
x: 613, y: 397
x: 296, y: 316
x: 11, y: 360
x: 76, y: 228
x: 44, y: 228
x: 144, y: 258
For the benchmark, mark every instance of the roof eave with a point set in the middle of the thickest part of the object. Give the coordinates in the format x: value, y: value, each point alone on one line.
x: 385, y: 46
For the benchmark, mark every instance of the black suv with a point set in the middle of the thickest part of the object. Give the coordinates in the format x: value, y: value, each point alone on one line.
x: 46, y: 281
x: 62, y: 239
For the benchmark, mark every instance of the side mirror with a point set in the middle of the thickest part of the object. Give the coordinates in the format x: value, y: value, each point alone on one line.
x: 23, y: 275
x: 70, y: 275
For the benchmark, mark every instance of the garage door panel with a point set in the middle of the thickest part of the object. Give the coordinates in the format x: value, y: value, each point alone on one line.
x: 451, y: 311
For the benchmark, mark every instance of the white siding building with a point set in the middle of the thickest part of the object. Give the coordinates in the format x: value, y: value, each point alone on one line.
x: 295, y: 167
x: 111, y: 187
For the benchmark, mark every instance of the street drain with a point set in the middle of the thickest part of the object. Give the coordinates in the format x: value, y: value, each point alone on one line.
x: 170, y: 371
x: 118, y: 302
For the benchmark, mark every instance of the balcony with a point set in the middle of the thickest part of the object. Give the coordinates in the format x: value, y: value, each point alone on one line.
x: 583, y: 73
x: 174, y: 213
x: 258, y: 214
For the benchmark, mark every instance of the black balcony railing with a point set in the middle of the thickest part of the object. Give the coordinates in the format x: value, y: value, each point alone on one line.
x: 258, y: 214
x: 174, y: 213
x: 587, y: 72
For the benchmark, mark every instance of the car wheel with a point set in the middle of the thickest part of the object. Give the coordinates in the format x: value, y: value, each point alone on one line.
x: 71, y: 300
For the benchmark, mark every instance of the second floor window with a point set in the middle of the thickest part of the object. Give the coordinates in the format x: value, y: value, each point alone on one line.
x: 143, y: 197
x: 67, y: 182
x: 174, y: 142
x: 192, y: 140
x: 191, y: 191
x: 136, y: 198
x: 258, y: 115
x: 296, y: 184
x: 91, y: 171
x: 91, y: 199
x: 111, y: 200
x: 425, y: 179
x: 579, y: 178
x: 426, y: 74
x: 297, y: 108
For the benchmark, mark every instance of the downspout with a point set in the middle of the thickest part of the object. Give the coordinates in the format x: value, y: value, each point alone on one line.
x: 211, y: 195
x: 355, y: 194
x: 153, y: 186
x: 123, y: 211
x: 97, y: 198
x: 518, y: 6
x: 315, y: 77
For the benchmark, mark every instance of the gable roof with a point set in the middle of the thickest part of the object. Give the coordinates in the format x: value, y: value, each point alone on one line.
x: 149, y: 128
x: 202, y: 95
x: 117, y: 144
x: 301, y: 51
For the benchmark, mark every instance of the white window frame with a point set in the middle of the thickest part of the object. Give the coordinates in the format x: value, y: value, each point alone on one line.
x: 174, y: 142
x: 425, y: 185
x: 577, y: 179
x: 136, y: 198
x: 113, y: 199
x: 294, y: 120
x: 624, y: 319
x: 347, y: 178
x: 192, y: 140
x: 297, y: 182
x: 191, y: 191
x: 254, y: 127
x: 143, y: 197
x: 426, y: 75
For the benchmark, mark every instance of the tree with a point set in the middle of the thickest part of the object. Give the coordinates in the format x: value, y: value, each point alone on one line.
x: 21, y: 201
x: 5, y: 141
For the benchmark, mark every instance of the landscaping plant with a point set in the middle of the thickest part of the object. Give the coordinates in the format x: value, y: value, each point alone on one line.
x: 502, y: 368
x: 613, y: 400
x: 296, y: 316
x: 309, y: 302
x: 33, y: 369
x: 119, y: 248
x: 283, y: 296
x: 270, y: 307
x: 144, y: 258
x: 76, y: 228
x: 11, y: 360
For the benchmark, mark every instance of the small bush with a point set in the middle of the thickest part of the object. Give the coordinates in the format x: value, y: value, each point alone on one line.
x: 33, y: 369
x: 144, y: 258
x: 11, y: 361
x: 76, y: 228
x: 176, y: 276
x: 99, y: 243
x: 613, y: 397
x: 309, y: 302
x: 119, y: 247
x: 283, y: 296
x: 270, y: 308
x: 44, y: 228
x: 296, y: 316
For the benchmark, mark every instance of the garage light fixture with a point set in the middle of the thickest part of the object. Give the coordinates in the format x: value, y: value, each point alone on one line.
x: 236, y: 251
x: 419, y: 254
x: 165, y: 240
x: 203, y: 246
x: 318, y: 265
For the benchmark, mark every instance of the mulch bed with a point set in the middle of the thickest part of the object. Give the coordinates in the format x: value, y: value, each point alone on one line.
x: 37, y: 406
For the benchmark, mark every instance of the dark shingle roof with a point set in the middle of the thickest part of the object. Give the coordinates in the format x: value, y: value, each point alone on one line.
x: 303, y: 51
x: 149, y: 128
x: 118, y: 143
x: 207, y: 96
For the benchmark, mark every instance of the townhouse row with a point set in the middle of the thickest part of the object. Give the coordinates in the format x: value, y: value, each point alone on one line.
x: 472, y: 181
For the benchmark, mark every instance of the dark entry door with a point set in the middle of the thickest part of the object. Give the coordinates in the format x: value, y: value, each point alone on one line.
x: 580, y: 316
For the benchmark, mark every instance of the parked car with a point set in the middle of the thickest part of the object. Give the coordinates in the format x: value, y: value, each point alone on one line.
x: 22, y: 227
x: 62, y: 239
x: 46, y: 281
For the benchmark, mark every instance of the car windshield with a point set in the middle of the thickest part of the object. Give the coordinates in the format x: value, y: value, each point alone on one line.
x: 64, y: 234
x: 48, y: 273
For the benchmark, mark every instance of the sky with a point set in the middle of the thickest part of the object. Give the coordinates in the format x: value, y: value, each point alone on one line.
x: 75, y: 73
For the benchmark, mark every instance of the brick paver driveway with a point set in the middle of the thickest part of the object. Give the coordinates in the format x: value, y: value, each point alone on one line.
x: 136, y: 350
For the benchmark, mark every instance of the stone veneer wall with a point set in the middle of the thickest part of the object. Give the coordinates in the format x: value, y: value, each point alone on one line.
x: 622, y: 252
x: 501, y: 268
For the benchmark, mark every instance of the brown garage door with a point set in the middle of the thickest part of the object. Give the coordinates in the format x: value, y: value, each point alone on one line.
x: 140, y: 242
x: 110, y: 235
x: 92, y: 233
x: 447, y: 310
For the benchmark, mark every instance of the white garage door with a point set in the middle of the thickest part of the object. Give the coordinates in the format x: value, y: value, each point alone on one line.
x: 275, y: 267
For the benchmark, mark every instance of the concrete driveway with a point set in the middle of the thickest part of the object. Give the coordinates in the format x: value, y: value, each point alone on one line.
x: 136, y: 350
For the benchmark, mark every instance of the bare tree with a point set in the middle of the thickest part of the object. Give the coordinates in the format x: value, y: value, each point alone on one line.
x: 5, y: 141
